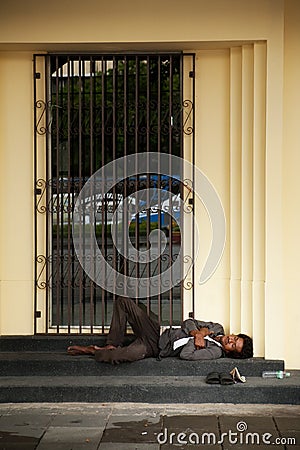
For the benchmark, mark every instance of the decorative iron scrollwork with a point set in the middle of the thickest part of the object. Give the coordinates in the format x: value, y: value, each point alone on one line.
x: 187, y: 283
x: 43, y: 108
x: 188, y: 191
x: 41, y: 261
x: 44, y: 116
x: 188, y: 107
x: 40, y: 187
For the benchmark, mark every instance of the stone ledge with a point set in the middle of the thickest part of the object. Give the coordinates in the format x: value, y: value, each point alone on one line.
x: 148, y: 390
x: 59, y: 363
x: 51, y: 343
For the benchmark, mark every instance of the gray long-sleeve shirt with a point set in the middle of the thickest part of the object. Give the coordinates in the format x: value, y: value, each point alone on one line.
x: 211, y: 350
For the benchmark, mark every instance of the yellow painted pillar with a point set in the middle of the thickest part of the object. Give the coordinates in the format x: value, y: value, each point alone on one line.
x: 235, y: 187
x: 291, y: 181
x: 259, y: 185
x: 16, y: 194
x: 247, y: 189
x: 213, y: 159
x: 274, y: 300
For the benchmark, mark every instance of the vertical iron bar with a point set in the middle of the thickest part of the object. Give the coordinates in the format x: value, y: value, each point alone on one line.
x: 137, y: 224
x: 61, y: 219
x: 103, y: 221
x: 115, y: 256
x: 94, y: 64
x: 47, y: 73
x: 85, y: 172
x: 81, y: 174
x: 170, y: 182
x: 181, y: 176
x: 35, y: 196
x: 68, y: 202
x: 91, y: 116
x: 73, y: 198
x: 58, y: 262
x: 159, y: 177
x: 125, y: 212
x: 148, y: 181
x: 193, y: 162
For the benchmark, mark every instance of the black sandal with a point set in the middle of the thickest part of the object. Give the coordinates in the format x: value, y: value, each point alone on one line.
x: 213, y: 378
x: 226, y: 378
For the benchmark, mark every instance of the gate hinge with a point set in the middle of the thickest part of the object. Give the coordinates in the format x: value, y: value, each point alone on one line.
x: 191, y: 315
x: 37, y: 75
x: 191, y: 201
x: 38, y: 191
x: 38, y: 314
x: 192, y: 74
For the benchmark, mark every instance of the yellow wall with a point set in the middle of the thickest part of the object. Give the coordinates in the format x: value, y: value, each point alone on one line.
x: 291, y: 179
x: 212, y: 156
x: 16, y: 199
x: 135, y: 21
x: 222, y: 33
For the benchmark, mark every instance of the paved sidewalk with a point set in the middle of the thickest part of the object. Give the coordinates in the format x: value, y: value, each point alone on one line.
x: 131, y: 426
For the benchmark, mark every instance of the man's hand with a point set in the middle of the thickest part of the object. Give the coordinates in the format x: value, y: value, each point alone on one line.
x: 199, y: 335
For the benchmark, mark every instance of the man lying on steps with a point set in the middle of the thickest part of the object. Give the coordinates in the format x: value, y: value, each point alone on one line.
x: 195, y: 339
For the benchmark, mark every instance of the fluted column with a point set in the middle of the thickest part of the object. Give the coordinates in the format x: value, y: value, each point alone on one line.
x: 259, y: 156
x: 235, y: 186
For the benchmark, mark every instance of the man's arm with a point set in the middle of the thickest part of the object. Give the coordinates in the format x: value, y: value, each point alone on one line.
x: 193, y: 324
x: 199, y: 329
x: 189, y: 352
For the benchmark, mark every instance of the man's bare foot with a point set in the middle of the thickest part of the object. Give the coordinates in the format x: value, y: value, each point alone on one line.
x: 81, y: 350
x: 87, y: 350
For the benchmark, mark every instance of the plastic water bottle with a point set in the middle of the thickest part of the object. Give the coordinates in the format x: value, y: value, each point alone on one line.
x: 276, y: 374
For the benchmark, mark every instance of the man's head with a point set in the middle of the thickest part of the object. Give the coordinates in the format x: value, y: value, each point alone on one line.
x: 239, y: 346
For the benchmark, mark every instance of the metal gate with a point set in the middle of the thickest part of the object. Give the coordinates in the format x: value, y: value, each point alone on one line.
x: 91, y: 110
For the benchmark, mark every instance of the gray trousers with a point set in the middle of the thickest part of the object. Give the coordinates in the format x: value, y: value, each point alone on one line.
x: 145, y: 329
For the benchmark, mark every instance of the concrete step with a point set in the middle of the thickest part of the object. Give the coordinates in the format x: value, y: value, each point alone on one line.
x: 147, y: 389
x: 49, y: 343
x: 46, y: 355
x: 38, y: 369
x: 62, y: 364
